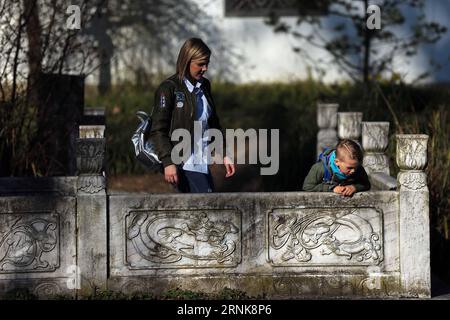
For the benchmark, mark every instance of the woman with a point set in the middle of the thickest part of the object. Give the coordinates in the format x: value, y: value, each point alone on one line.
x: 181, y: 100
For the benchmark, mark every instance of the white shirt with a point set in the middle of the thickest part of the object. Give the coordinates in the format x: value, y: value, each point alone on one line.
x: 198, y: 161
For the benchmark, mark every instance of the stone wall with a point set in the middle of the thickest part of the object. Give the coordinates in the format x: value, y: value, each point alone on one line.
x: 279, y: 245
x: 38, y: 245
x: 68, y: 236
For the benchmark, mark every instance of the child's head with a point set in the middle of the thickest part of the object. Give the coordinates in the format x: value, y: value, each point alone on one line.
x: 348, y: 156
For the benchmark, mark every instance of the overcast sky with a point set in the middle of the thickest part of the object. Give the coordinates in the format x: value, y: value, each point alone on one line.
x: 269, y: 57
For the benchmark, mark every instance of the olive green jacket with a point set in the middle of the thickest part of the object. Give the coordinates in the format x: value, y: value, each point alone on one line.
x: 314, y: 180
x: 174, y: 108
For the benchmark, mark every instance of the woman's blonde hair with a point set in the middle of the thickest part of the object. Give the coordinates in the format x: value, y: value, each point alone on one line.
x: 192, y: 49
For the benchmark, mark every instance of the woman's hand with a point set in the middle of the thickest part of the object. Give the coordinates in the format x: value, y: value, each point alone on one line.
x: 229, y: 166
x: 170, y: 174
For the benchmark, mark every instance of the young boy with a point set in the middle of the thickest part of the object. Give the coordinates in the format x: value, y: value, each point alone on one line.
x: 339, y: 170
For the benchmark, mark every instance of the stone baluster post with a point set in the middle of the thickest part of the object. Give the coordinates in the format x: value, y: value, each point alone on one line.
x: 349, y: 125
x: 375, y: 139
x: 91, y: 210
x: 326, y: 120
x: 94, y: 116
x: 414, y: 215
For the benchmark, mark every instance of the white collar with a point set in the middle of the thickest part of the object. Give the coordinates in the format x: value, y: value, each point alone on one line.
x: 190, y: 86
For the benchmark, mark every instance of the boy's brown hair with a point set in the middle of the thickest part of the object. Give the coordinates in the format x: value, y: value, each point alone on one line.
x: 350, y: 148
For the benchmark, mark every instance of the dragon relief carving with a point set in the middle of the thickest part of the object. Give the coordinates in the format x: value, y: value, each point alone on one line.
x: 22, y: 244
x: 169, y: 238
x: 299, y: 235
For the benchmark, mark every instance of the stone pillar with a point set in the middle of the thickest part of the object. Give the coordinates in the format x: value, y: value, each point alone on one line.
x: 414, y: 215
x: 349, y: 125
x: 326, y: 120
x: 91, y: 210
x: 94, y: 116
x: 375, y: 139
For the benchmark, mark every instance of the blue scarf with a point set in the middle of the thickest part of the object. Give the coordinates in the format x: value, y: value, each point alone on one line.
x: 335, y: 169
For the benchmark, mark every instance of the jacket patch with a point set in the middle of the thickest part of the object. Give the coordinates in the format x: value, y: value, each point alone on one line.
x: 179, y: 99
x: 162, y: 101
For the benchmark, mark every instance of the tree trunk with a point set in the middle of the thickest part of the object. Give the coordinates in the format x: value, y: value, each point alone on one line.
x: 106, y: 52
x: 34, y: 53
x: 367, y: 43
x: 104, y: 82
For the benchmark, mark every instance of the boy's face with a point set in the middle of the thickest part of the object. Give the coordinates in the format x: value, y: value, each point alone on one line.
x: 347, y: 165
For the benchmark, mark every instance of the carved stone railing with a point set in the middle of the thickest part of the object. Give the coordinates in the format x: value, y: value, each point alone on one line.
x: 372, y: 136
x: 280, y: 245
x: 349, y: 125
x: 94, y: 116
x: 375, y: 139
x: 414, y: 230
x: 327, y: 121
x: 91, y: 209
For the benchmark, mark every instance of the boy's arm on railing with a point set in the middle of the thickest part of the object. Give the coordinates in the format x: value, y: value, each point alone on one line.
x: 362, y: 182
x: 382, y: 181
x: 314, y: 180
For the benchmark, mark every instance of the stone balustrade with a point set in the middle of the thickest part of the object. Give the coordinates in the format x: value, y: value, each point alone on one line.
x: 349, y: 125
x: 91, y: 209
x: 372, y: 136
x: 326, y: 121
x: 375, y: 139
x: 280, y: 244
x: 411, y: 157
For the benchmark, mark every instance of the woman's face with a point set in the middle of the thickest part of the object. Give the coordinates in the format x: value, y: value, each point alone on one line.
x: 198, y: 67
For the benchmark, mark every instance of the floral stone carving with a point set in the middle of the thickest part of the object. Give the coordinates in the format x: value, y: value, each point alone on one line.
x: 321, y: 236
x: 29, y: 243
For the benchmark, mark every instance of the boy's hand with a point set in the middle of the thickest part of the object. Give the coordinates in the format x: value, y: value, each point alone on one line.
x: 348, y: 190
x: 338, y: 189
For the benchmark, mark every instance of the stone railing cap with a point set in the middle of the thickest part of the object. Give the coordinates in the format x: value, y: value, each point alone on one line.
x: 91, y: 131
x: 412, y: 136
x: 350, y: 112
x: 97, y: 111
x: 377, y: 122
x: 334, y: 105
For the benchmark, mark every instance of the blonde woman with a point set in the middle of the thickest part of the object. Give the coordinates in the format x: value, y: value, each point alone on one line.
x: 181, y: 100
